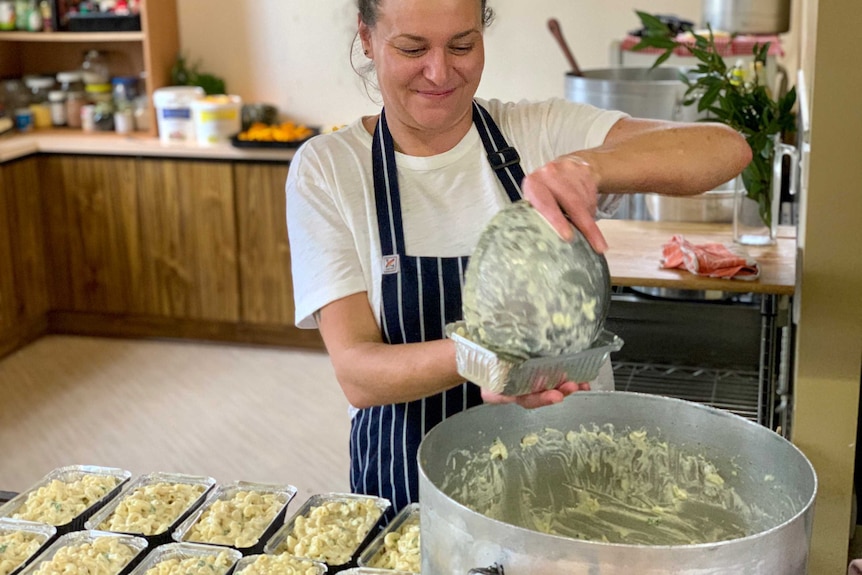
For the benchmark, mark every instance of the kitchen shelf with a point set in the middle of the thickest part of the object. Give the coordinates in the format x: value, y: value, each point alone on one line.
x: 736, y: 391
x: 94, y: 37
x: 150, y: 52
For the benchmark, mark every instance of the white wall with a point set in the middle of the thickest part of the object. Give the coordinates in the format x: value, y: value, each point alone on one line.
x: 295, y: 53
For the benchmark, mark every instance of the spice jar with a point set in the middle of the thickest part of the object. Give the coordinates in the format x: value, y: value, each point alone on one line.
x: 39, y: 87
x: 97, y: 93
x: 74, y: 102
x: 71, y: 81
x: 57, y: 100
x: 7, y: 15
x: 95, y: 68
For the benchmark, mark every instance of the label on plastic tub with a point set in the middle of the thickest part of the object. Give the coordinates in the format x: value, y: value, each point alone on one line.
x: 176, y: 113
x: 216, y: 118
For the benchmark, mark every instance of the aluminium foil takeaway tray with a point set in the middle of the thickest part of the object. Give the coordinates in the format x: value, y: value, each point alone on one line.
x: 42, y: 533
x: 403, y: 556
x: 339, y: 530
x: 295, y: 565
x: 183, y: 551
x: 283, y: 494
x: 102, y: 516
x: 69, y: 474
x: 506, y: 375
x: 83, y: 564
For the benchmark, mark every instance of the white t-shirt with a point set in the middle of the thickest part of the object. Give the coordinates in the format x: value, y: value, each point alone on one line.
x: 446, y: 200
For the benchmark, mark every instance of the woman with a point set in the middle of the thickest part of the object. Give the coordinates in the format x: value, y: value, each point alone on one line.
x: 383, y: 214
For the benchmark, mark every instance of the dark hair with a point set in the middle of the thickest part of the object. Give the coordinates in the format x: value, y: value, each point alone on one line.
x: 369, y: 10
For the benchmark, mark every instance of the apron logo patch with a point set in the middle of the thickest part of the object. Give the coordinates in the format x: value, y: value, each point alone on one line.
x: 390, y: 265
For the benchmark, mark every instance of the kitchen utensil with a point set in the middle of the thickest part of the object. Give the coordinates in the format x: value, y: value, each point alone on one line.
x: 761, y: 467
x: 747, y: 16
x: 557, y: 32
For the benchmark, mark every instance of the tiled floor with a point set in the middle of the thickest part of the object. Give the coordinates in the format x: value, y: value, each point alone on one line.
x: 229, y: 412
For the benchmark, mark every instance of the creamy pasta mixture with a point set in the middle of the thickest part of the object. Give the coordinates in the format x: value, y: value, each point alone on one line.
x: 238, y: 521
x: 152, y: 509
x: 58, y: 502
x: 331, y: 532
x: 601, y: 484
x: 401, y: 548
x: 15, y: 548
x: 102, y: 556
x: 283, y: 564
x: 215, y: 564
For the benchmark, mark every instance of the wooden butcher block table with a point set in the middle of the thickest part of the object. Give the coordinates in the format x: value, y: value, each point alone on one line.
x: 635, y: 247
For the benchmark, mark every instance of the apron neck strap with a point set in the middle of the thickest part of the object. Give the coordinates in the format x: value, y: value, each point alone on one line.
x: 503, y: 158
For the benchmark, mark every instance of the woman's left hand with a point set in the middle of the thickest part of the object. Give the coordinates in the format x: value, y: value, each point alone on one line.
x: 537, y: 398
x: 565, y: 191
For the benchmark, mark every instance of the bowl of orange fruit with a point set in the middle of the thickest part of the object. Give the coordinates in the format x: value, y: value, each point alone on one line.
x: 287, y: 134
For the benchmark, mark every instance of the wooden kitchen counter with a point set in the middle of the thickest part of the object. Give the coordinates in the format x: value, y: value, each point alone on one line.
x: 635, y: 248
x: 14, y: 146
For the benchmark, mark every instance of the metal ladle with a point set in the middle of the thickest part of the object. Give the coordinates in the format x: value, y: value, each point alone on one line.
x: 554, y: 27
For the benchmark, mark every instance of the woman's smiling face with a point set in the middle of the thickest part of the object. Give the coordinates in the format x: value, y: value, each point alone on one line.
x: 429, y: 56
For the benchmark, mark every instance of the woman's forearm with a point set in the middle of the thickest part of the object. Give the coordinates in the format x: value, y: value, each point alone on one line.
x: 372, y: 372
x: 379, y: 373
x: 667, y: 158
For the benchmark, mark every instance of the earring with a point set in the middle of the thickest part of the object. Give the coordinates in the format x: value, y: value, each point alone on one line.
x: 366, y: 52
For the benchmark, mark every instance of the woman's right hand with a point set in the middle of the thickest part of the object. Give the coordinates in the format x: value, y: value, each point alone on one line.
x: 565, y: 191
x: 537, y: 398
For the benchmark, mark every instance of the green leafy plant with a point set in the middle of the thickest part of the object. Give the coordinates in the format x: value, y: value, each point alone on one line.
x: 732, y: 95
x: 183, y: 74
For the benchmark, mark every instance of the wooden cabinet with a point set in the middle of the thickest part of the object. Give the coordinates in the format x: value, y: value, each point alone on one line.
x: 151, y: 51
x: 188, y: 240
x: 141, y: 237
x: 264, y: 253
x: 23, y: 287
x: 92, y: 228
x: 145, y: 247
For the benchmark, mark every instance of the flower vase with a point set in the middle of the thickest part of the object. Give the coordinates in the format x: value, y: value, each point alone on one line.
x: 755, y: 220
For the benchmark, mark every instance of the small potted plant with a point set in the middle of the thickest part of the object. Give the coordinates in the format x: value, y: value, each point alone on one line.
x: 738, y: 97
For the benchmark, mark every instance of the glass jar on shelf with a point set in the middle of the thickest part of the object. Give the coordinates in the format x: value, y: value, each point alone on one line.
x: 39, y: 87
x: 98, y: 93
x: 7, y: 15
x: 71, y: 81
x: 95, y: 68
x: 57, y: 102
x: 74, y: 102
x: 124, y: 88
x: 22, y: 11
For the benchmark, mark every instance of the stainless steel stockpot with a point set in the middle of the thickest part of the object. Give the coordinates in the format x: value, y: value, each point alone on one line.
x: 747, y: 16
x: 457, y: 540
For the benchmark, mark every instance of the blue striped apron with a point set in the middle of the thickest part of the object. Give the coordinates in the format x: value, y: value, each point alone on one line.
x: 420, y: 295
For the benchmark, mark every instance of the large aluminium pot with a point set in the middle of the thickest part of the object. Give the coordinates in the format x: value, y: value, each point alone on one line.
x: 642, y: 92
x: 747, y: 16
x: 657, y: 93
x: 768, y: 470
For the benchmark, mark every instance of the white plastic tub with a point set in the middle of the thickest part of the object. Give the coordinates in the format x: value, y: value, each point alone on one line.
x: 174, y: 112
x: 217, y: 118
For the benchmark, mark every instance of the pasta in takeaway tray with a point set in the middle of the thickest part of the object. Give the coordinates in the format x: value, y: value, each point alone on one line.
x: 331, y: 528
x: 283, y: 564
x: 15, y: 548
x: 99, y: 556
x: 399, y: 547
x: 59, y: 502
x: 215, y: 564
x: 152, y: 508
x: 239, y: 515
